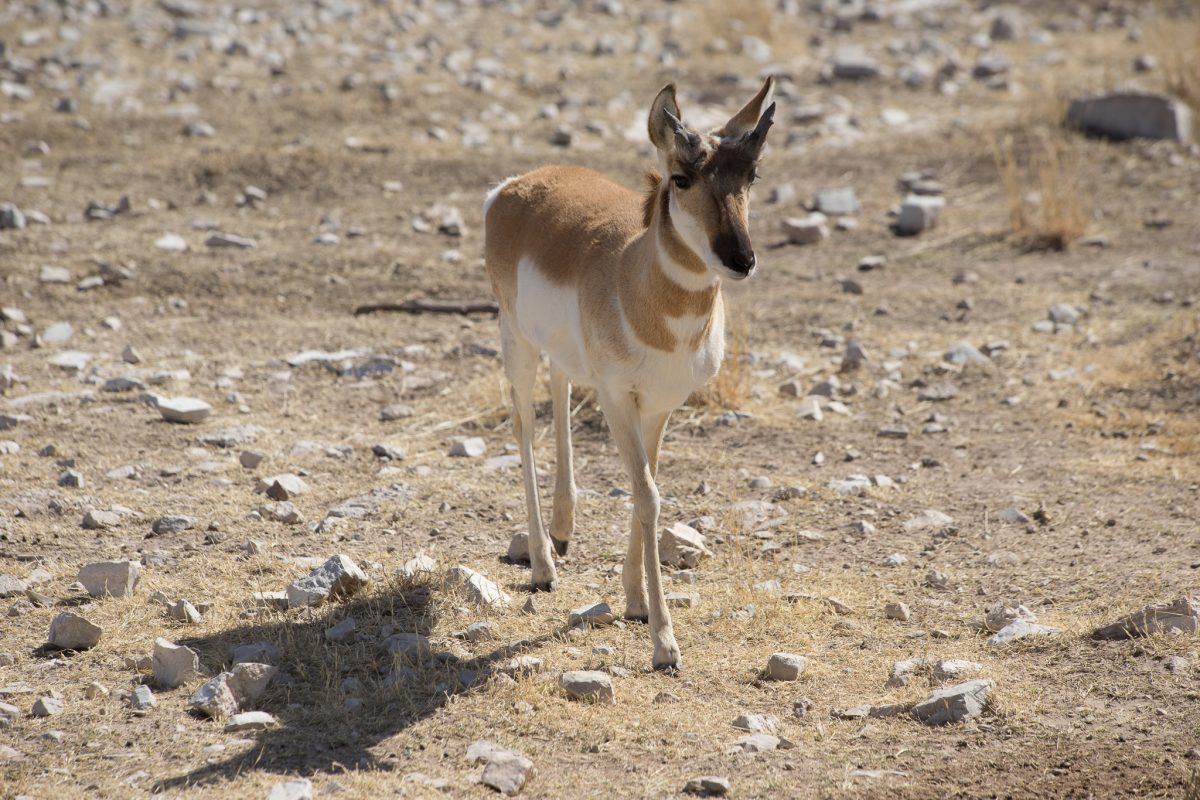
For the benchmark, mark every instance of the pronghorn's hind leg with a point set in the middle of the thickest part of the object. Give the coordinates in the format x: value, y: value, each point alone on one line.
x: 562, y: 521
x: 520, y: 364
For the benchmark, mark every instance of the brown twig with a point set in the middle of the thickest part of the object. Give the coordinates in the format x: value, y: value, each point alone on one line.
x: 431, y: 307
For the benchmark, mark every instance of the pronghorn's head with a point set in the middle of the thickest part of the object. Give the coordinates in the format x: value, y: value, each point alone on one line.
x: 709, y: 177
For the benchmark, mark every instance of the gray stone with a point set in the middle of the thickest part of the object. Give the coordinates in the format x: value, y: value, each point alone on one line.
x: 965, y: 353
x: 897, y: 611
x: 70, y: 631
x: 256, y: 653
x: 143, y: 699
x: 71, y: 479
x: 174, y: 523
x: 756, y: 743
x: 949, y: 669
x: 71, y: 360
x: 711, y: 785
x: 682, y: 546
x: 183, y: 410
x: 11, y: 586
x: 518, y: 548
x: 173, y: 664
x: 507, y: 772
x: 471, y: 447
x: 990, y: 65
x: 1132, y: 115
x: 929, y: 519
x: 47, y: 707
x: 588, y: 685
x: 9, y: 714
x: 341, y: 631
x: 58, y: 333
x: 1020, y: 629
x: 389, y: 452
x: 184, y: 611
x: 337, y: 577
x: 395, y: 412
x: 97, y: 520
x: 110, y: 578
x: 53, y: 274
x: 281, y: 487
x: 284, y: 512
x: 408, y: 646
x: 851, y: 62
x: 217, y: 239
x: 594, y: 614
x: 786, y: 667
x: 235, y: 436
x: 250, y: 459
x: 956, y: 703
x: 806, y: 230
x: 1002, y: 613
x: 1181, y: 616
x: 478, y: 588
x: 919, y: 213
x: 249, y: 721
x: 480, y: 631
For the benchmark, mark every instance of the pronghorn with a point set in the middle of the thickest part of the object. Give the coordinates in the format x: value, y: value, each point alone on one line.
x: 623, y: 293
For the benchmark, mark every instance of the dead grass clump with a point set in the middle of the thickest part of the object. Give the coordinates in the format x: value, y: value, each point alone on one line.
x: 730, y: 389
x: 1179, y: 46
x: 1046, y: 206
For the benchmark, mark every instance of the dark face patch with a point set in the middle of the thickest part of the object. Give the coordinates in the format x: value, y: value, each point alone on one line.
x: 720, y: 174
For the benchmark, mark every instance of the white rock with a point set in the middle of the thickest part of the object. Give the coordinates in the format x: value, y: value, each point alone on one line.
x: 710, y: 785
x: 756, y: 743
x: 409, y: 646
x: 281, y: 487
x: 507, y: 772
x: 682, y: 546
x: 174, y: 664
x: 954, y: 703
x: 215, y: 698
x: 219, y: 239
x: 588, y: 685
x: 806, y: 230
x: 471, y: 447
x: 184, y: 611
x: 71, y: 360
x: 299, y: 789
x: 518, y: 548
x: 851, y: 62
x: 1000, y: 614
x: 929, y: 519
x: 810, y: 408
x: 143, y: 699
x: 184, y: 410
x: 477, y: 587
x: 337, y: 577
x: 786, y: 666
x: 48, y: 707
x: 950, y: 669
x: 594, y: 614
x: 110, y: 578
x: 420, y: 564
x: 171, y: 242
x: 70, y: 631
x: 756, y: 723
x: 1020, y: 629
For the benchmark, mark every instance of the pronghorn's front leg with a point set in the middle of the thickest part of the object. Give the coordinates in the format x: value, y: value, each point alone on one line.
x: 637, y: 436
x: 633, y: 576
x: 562, y: 521
x: 520, y: 364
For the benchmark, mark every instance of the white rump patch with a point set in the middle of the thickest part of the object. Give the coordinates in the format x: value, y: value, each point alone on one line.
x: 494, y: 193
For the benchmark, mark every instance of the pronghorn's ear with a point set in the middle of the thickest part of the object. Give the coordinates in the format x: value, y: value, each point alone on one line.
x: 745, y: 120
x: 667, y: 131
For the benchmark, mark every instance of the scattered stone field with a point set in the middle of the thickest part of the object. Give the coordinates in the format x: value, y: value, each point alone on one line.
x: 934, y: 531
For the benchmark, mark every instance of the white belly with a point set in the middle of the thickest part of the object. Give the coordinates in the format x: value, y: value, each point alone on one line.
x: 548, y: 316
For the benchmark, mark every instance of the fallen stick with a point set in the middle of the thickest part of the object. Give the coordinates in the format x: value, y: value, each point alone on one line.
x: 431, y: 307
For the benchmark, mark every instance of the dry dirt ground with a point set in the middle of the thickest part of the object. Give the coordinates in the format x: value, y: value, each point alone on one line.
x: 354, y: 119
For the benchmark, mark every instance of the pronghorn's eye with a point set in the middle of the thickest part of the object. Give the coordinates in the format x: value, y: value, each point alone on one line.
x: 681, y: 181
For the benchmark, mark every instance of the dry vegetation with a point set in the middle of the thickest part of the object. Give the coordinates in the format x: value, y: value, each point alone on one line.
x: 1092, y: 432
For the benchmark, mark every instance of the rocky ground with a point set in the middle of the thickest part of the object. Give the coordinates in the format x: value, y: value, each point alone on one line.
x: 255, y: 545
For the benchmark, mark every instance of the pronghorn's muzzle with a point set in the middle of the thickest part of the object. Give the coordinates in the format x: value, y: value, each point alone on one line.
x: 735, y: 253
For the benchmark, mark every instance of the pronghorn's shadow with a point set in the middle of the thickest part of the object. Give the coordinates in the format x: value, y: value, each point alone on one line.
x: 316, y: 732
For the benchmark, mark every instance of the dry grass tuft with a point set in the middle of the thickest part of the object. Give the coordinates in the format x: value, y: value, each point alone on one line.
x: 730, y: 389
x: 1046, y: 206
x: 1179, y: 45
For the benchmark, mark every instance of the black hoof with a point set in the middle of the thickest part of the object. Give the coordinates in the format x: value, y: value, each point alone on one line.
x: 642, y: 618
x: 560, y: 547
x: 670, y: 669
x: 548, y: 586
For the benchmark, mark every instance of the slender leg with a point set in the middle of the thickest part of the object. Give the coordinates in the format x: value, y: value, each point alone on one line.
x: 562, y: 520
x: 627, y: 426
x: 633, y: 575
x: 520, y: 364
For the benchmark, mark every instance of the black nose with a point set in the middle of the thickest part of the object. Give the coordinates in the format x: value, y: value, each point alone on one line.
x: 742, y: 262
